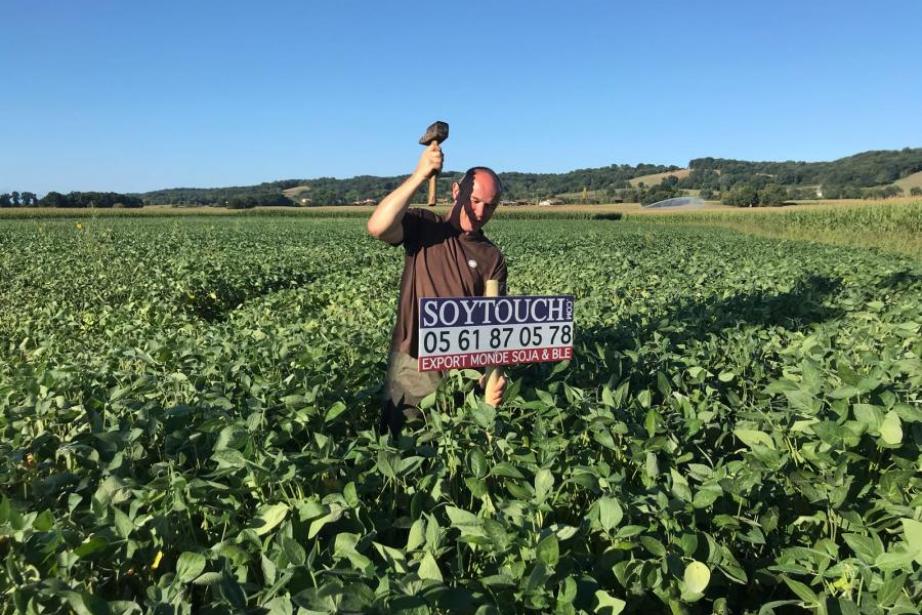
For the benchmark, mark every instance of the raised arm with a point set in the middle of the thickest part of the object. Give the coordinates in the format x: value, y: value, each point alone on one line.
x: 386, y: 222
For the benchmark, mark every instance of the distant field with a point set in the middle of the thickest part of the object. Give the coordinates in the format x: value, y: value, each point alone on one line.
x: 894, y: 225
x: 656, y: 178
x: 910, y: 182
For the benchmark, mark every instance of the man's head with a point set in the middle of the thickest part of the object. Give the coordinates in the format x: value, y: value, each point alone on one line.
x: 476, y: 197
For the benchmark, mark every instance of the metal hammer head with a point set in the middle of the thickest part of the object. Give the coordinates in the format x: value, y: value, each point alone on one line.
x: 437, y: 132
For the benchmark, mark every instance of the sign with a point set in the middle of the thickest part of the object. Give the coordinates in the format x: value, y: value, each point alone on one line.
x: 471, y: 332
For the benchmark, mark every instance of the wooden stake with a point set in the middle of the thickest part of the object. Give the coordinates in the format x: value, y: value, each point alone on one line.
x: 493, y: 373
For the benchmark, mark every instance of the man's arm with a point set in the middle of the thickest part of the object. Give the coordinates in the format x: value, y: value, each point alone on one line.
x: 386, y: 222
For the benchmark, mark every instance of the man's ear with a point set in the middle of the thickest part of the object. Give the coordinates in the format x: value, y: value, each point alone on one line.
x: 455, y: 191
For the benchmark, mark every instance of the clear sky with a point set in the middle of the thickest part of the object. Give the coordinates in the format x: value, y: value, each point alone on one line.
x: 133, y: 96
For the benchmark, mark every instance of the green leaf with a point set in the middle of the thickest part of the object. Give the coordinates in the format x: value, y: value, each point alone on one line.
x: 334, y: 411
x: 803, y: 592
x: 845, y: 392
x: 753, y: 437
x: 231, y: 591
x: 429, y: 569
x: 268, y: 517
x: 417, y: 536
x: 607, y: 604
x: 651, y: 420
x: 478, y: 462
x: 294, y: 552
x: 506, y: 469
x: 697, y: 576
x: 280, y: 605
x: 567, y: 592
x: 484, y: 415
x: 86, y: 604
x: 869, y: 416
x: 607, y: 398
x: 468, y: 523
x: 317, y: 524
x: 268, y: 568
x: 123, y: 524
x: 189, y: 566
x: 388, y: 464
x: 351, y: 495
x: 91, y: 546
x: 44, y: 521
x: 629, y: 531
x: 344, y: 544
x: 345, y: 547
x: 706, y: 495
x: 912, y: 533
x: 208, y: 578
x: 898, y: 558
x: 865, y: 547
x: 680, y: 486
x: 891, y: 430
x: 653, y: 546
x: 544, y: 481
x: 548, y: 550
x: 394, y: 557
x: 229, y: 458
x: 610, y: 513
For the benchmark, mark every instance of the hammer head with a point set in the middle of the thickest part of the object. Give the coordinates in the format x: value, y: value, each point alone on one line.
x: 437, y: 132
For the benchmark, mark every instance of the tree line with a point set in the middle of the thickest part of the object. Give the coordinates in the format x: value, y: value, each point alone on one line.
x: 72, y: 199
x: 333, y: 191
x: 736, y: 182
x: 18, y: 199
x: 865, y: 175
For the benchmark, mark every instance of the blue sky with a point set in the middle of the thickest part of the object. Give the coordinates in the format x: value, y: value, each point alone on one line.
x: 131, y: 96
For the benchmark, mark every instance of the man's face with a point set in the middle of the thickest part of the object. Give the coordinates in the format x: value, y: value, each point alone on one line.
x: 477, y: 199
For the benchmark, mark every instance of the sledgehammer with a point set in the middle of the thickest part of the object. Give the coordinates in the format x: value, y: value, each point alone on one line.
x: 437, y: 132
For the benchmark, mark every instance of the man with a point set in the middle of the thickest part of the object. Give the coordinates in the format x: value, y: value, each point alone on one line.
x: 444, y: 257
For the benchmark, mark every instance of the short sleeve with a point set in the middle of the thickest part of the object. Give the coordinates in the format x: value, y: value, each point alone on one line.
x: 411, y: 222
x: 500, y: 273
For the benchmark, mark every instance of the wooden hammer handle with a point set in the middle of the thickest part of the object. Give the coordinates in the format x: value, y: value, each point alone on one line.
x: 433, y: 182
x: 493, y: 373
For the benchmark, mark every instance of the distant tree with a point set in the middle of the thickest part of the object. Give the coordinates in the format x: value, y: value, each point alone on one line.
x: 847, y: 191
x: 324, y: 196
x: 773, y: 194
x: 660, y: 192
x: 54, y: 199
x: 5, y: 200
x: 742, y: 195
x: 29, y: 199
x: 707, y: 194
x: 14, y: 197
x: 915, y: 191
x: 883, y: 193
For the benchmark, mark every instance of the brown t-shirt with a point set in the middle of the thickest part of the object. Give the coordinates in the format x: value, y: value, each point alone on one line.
x: 441, y: 261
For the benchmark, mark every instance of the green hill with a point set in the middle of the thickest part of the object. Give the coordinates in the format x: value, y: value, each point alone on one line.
x: 857, y: 175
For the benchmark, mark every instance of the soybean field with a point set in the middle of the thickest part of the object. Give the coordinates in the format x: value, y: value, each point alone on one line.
x: 189, y: 409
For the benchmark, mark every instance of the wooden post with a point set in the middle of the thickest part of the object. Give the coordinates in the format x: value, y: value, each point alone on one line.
x: 493, y: 374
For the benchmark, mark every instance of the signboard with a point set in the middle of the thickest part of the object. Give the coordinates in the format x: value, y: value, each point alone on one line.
x: 471, y: 332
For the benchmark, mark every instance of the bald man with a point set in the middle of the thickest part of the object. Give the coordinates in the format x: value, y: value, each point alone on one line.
x: 443, y: 257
